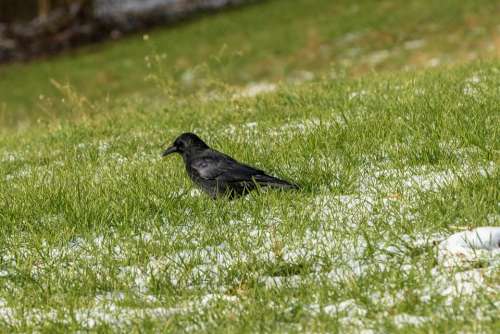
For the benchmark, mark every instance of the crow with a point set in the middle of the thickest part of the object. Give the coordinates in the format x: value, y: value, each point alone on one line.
x: 218, y: 174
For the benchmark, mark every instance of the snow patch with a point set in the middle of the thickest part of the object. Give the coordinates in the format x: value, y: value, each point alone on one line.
x: 350, y: 307
x: 403, y: 319
x: 415, y: 44
x: 378, y: 56
x: 257, y: 88
x: 468, y: 246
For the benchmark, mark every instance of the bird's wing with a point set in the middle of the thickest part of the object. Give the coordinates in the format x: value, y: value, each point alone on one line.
x: 216, y: 165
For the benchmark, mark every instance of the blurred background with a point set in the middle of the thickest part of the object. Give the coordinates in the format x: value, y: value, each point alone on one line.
x: 32, y: 28
x: 110, y: 52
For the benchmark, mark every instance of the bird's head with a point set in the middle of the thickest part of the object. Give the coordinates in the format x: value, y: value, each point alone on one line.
x: 185, y: 144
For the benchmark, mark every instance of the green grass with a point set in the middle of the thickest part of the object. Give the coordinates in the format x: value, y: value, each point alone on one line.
x: 92, y: 217
x: 272, y: 41
x: 98, y: 233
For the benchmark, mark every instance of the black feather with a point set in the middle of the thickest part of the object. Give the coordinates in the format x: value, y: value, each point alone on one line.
x: 217, y: 173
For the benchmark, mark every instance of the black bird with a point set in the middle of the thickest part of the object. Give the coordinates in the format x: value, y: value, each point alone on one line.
x: 217, y: 173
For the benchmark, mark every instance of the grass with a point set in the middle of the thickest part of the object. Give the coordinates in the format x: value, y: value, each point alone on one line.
x: 307, y: 39
x: 99, y: 233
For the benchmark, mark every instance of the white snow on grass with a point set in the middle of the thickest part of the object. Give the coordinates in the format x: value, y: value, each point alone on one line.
x: 256, y: 88
x: 299, y: 77
x: 468, y: 246
x: 10, y: 156
x: 277, y: 282
x: 107, y: 311
x: 487, y: 238
x: 348, y: 307
x: 252, y: 130
x: 464, y: 283
x: 419, y: 178
x: 333, y: 251
x: 459, y: 286
x: 347, y: 312
x: 385, y: 299
x: 414, y: 44
x: 403, y: 319
x: 378, y: 57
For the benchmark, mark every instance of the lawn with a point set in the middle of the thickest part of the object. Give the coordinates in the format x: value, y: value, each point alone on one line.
x: 99, y: 233
x: 276, y: 40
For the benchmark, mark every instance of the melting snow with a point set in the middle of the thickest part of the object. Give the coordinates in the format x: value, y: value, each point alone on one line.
x: 347, y: 306
x: 106, y: 311
x: 378, y: 56
x: 255, y: 89
x: 480, y: 243
x: 415, y: 44
x: 404, y: 319
x: 206, y: 266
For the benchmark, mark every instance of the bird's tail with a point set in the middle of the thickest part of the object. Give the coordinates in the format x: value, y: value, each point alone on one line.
x: 271, y: 181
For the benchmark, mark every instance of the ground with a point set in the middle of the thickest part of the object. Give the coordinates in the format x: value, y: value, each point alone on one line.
x: 395, y: 147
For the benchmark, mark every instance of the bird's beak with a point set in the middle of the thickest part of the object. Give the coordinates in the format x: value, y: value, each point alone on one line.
x: 169, y: 150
